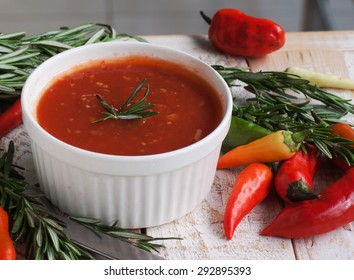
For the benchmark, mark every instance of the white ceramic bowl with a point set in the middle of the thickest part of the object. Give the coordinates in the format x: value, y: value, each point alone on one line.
x: 138, y: 191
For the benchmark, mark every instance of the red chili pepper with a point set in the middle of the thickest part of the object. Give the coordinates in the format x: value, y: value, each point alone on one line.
x: 11, y: 118
x: 251, y: 186
x: 294, y: 178
x: 7, y: 249
x: 333, y: 208
x: 233, y: 32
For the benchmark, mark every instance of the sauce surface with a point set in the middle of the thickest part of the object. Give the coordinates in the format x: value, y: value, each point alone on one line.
x: 188, y: 107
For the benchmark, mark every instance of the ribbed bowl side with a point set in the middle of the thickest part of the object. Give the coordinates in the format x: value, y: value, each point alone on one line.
x: 135, y: 201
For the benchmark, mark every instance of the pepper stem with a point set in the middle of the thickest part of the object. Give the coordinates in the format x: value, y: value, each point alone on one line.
x: 299, y: 190
x: 298, y: 137
x: 205, y: 17
x: 294, y: 140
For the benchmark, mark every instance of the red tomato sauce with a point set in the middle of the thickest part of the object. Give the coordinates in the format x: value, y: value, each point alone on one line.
x: 188, y: 107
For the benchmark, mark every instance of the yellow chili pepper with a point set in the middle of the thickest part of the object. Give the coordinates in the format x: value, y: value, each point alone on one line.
x: 279, y: 145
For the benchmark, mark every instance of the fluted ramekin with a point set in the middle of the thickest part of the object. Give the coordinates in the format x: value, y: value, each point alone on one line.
x: 138, y: 191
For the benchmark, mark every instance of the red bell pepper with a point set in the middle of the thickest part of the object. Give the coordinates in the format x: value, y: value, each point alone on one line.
x: 251, y: 186
x: 232, y: 31
x: 333, y: 208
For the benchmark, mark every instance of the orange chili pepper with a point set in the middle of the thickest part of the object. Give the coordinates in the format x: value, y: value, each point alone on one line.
x: 343, y: 130
x: 279, y: 145
x: 251, y: 186
x: 7, y: 249
x: 347, y: 132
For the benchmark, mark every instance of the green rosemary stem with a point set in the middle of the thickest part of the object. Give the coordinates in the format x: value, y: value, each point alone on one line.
x: 139, y: 240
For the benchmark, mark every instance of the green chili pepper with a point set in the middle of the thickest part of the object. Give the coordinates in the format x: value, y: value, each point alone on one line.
x: 242, y: 132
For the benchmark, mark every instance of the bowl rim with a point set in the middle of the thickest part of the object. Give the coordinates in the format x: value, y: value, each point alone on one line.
x: 29, y: 119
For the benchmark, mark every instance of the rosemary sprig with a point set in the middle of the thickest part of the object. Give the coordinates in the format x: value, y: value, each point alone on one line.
x: 33, y: 222
x: 280, y: 82
x: 283, y: 101
x: 139, y: 240
x: 128, y: 110
x: 41, y: 231
x: 20, y: 54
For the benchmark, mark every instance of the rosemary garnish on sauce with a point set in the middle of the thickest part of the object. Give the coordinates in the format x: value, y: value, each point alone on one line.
x: 34, y: 221
x: 128, y: 110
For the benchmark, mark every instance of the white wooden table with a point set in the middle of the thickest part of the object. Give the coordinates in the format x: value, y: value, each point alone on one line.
x: 202, y: 229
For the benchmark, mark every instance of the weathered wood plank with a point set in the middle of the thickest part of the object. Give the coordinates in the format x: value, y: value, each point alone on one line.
x: 338, y: 40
